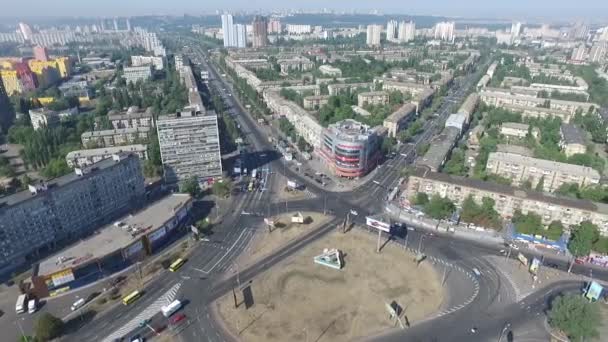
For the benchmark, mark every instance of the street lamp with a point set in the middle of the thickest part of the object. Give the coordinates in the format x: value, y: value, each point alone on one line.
x: 504, y: 329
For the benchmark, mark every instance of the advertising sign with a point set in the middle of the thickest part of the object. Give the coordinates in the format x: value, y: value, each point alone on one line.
x: 534, y: 266
x: 374, y: 223
x: 594, y: 291
x: 158, y: 234
x: 59, y: 278
x: 134, y: 248
x: 523, y: 259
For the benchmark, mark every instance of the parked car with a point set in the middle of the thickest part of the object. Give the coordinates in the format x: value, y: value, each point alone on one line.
x: 177, y: 318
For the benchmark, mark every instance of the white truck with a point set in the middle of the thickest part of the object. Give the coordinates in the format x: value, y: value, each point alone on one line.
x: 171, y: 308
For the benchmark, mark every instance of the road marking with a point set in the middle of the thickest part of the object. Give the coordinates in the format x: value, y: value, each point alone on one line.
x: 225, y: 254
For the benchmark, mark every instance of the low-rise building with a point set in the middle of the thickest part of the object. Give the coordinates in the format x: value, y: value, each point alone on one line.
x: 411, y: 88
x: 518, y: 130
x: 42, y: 117
x: 157, y: 62
x: 372, y: 98
x: 330, y: 71
x: 457, y: 121
x: 396, y: 121
x: 423, y: 99
x: 440, y: 148
x: 522, y: 169
x: 350, y: 148
x: 508, y: 200
x: 134, y: 74
x: 115, y: 137
x: 76, y: 88
x: 82, y: 158
x: 339, y: 88
x: 132, y: 118
x: 297, y: 63
x: 572, y: 140
x: 315, y: 102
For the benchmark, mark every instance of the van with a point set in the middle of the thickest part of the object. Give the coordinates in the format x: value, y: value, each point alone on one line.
x: 31, y: 306
x: 77, y: 304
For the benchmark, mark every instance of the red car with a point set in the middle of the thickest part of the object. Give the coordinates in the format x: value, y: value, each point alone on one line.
x: 177, y: 318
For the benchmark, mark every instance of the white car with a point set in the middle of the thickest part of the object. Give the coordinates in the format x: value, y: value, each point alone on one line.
x: 354, y: 212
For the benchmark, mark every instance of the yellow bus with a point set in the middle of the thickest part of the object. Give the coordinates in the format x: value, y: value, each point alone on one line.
x: 176, y: 264
x: 250, y: 188
x: 131, y: 297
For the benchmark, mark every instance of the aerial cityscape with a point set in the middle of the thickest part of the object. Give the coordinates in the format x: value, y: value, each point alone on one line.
x: 311, y: 171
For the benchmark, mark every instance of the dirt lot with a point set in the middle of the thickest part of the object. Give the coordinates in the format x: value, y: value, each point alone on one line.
x: 299, y: 300
x: 264, y: 243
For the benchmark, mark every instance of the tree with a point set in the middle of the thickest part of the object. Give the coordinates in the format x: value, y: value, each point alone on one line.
x: 583, y: 236
x: 575, y: 316
x: 221, y: 189
x: 388, y: 144
x: 190, y: 186
x: 421, y: 199
x: 530, y: 223
x: 554, y: 231
x: 540, y: 186
x: 48, y: 327
x: 439, y: 207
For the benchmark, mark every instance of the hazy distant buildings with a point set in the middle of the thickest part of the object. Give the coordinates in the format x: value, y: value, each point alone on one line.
x: 240, y: 31
x: 391, y: 31
x: 260, y: 34
x: 407, y: 32
x: 26, y: 31
x: 445, y: 31
x: 228, y: 29
x: 274, y: 25
x: 373, y: 35
x: 40, y: 53
x: 579, y: 54
x: 598, y: 52
x: 297, y: 29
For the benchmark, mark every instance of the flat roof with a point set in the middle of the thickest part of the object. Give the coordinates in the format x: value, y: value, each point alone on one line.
x: 515, y: 125
x: 105, y: 151
x: 115, y: 131
x: 111, y: 238
x: 440, y: 147
x: 572, y: 134
x: 543, y: 164
x: 402, y: 112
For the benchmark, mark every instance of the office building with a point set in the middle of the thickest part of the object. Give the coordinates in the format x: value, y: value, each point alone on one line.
x: 40, y: 53
x: 115, y: 137
x: 392, y: 31
x: 373, y: 35
x: 157, y: 62
x: 240, y: 32
x: 445, y: 31
x: 260, y: 33
x: 137, y: 73
x: 522, y: 169
x: 572, y: 140
x: 67, y: 208
x: 228, y: 30
x: 407, y: 32
x: 350, y: 148
x: 189, y: 146
x: 82, y: 158
x: 42, y: 117
x: 507, y: 199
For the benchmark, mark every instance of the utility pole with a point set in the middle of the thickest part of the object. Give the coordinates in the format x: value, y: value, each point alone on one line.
x: 509, y: 253
x: 420, y: 244
x: 407, y: 235
x: 379, y: 236
x: 325, y: 205
x: 445, y: 275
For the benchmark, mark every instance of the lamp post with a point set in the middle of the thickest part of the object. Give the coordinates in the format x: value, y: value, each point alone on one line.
x: 502, y: 332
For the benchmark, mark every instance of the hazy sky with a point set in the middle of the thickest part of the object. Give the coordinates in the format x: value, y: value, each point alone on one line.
x: 468, y: 8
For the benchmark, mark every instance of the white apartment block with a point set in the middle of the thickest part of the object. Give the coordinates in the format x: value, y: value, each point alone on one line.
x: 518, y: 130
x: 295, y: 29
x: 373, y: 35
x: 330, y: 71
x: 43, y: 117
x: 82, y: 158
x: 115, y: 137
x: 131, y: 119
x: 520, y: 169
x: 137, y: 73
x: 157, y: 62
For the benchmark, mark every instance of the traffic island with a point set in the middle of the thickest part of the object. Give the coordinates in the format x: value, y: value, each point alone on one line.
x: 299, y: 300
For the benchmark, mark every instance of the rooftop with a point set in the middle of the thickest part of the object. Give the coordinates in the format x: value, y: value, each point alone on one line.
x: 115, y: 131
x: 111, y: 237
x: 350, y: 129
x: 402, y: 112
x: 106, y: 151
x: 440, y: 147
x: 543, y: 164
x: 515, y: 125
x: 572, y: 134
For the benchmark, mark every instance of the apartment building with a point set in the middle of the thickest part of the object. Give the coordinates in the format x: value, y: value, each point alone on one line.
x: 411, y: 88
x: 315, y: 102
x: 440, y: 148
x: 137, y: 73
x: 296, y: 63
x: 82, y: 158
x: 68, y: 207
x: 508, y: 199
x: 372, y: 98
x: 572, y: 140
x: 42, y: 117
x: 115, y: 137
x: 157, y: 62
x: 397, y: 120
x: 189, y: 146
x: 522, y: 168
x: 340, y: 88
x: 132, y: 118
x: 518, y: 130
x: 331, y: 71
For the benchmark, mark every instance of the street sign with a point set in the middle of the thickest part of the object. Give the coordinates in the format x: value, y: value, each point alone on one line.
x: 375, y: 223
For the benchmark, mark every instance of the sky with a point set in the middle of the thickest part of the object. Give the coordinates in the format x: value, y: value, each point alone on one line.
x: 513, y: 9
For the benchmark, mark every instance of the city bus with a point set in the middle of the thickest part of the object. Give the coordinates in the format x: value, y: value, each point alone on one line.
x: 176, y: 264
x: 131, y: 297
x: 171, y: 308
x: 20, y: 307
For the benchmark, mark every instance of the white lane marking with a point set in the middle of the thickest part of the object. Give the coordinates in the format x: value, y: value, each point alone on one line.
x: 225, y: 254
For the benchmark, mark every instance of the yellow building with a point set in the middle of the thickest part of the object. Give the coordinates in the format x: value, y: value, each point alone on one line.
x: 49, y: 72
x: 11, y: 82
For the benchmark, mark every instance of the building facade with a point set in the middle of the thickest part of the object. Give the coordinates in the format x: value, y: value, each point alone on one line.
x: 350, y: 148
x: 82, y: 158
x: 115, y: 137
x: 260, y: 32
x: 373, y: 35
x: 189, y: 146
x: 42, y: 117
x: 372, y: 98
x: 137, y: 73
x: 396, y: 121
x: 133, y: 118
x: 157, y: 62
x: 67, y: 207
x: 572, y: 140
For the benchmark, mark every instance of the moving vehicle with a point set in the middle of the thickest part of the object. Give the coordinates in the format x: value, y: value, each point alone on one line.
x: 31, y: 306
x: 354, y: 212
x: 178, y: 318
x: 177, y: 264
x: 137, y: 338
x: 250, y: 187
x: 131, y: 297
x: 171, y: 308
x: 77, y: 304
x: 20, y: 306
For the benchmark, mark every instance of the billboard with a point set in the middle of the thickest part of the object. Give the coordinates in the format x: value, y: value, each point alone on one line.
x: 535, y: 265
x: 57, y: 279
x: 134, y: 248
x: 594, y: 291
x: 375, y: 223
x: 523, y: 259
x: 157, y: 234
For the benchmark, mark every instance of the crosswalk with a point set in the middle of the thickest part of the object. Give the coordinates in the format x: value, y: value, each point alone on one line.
x: 148, y: 313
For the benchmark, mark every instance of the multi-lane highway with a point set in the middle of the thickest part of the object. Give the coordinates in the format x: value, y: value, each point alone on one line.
x: 485, y: 302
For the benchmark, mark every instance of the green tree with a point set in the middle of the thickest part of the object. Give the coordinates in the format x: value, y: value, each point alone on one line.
x: 439, y: 207
x: 421, y: 199
x: 456, y: 164
x: 190, y: 186
x: 582, y: 238
x: 575, y: 316
x: 221, y: 189
x: 540, y: 186
x: 388, y: 144
x: 554, y: 231
x: 48, y: 327
x: 530, y: 223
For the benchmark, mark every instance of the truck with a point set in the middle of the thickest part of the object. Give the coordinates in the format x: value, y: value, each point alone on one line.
x: 21, y: 302
x: 171, y: 308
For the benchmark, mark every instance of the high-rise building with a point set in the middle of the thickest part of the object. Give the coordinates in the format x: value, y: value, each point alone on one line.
x: 40, y: 53
x: 373, y: 35
x: 579, y: 54
x: 391, y: 31
x: 115, y: 24
x: 241, y: 35
x: 228, y: 29
x: 128, y: 24
x: 598, y: 52
x: 26, y: 31
x: 445, y: 31
x: 68, y: 207
x: 274, y: 25
x: 260, y: 33
x: 516, y: 29
x: 407, y: 31
x: 7, y: 115
x: 189, y: 146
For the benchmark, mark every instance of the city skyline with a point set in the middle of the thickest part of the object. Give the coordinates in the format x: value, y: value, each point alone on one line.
x: 469, y: 8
